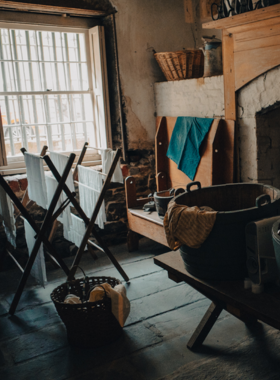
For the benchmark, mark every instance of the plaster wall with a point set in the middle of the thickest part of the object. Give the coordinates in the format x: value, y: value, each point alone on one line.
x: 141, y: 26
x: 203, y: 97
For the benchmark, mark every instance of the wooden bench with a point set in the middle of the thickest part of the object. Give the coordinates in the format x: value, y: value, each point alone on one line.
x: 225, y: 295
x: 216, y: 167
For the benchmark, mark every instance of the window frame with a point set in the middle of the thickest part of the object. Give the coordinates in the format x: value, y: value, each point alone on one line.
x: 16, y: 164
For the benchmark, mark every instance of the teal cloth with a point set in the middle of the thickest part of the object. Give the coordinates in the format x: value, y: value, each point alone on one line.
x: 186, y: 139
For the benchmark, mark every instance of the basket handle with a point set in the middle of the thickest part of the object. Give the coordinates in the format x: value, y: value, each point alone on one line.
x: 70, y: 275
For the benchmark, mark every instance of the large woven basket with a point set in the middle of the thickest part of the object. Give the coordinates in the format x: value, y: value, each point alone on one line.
x: 184, y: 64
x: 90, y: 324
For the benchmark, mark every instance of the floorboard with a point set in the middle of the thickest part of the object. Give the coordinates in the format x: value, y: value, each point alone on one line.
x: 33, y: 342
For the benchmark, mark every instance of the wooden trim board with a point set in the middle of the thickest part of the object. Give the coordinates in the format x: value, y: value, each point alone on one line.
x: 244, y: 18
x: 29, y: 7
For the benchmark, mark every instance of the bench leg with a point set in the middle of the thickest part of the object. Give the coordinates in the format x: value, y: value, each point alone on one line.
x: 132, y: 241
x: 205, y: 325
x: 242, y: 315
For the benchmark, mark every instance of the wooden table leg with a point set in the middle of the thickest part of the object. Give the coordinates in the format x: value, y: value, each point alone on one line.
x: 242, y: 315
x: 132, y: 241
x: 205, y: 325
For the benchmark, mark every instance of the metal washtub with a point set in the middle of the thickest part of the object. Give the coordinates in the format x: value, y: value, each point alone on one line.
x: 223, y: 254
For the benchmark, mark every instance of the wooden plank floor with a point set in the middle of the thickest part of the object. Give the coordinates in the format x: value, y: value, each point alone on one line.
x: 164, y: 314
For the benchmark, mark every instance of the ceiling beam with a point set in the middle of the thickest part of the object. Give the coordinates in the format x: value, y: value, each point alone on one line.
x: 29, y: 7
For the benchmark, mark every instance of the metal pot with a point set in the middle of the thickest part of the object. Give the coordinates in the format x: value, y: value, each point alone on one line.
x: 162, y: 198
x: 213, y: 62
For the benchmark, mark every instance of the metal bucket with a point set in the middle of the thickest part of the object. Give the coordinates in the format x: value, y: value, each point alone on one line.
x: 162, y: 198
x: 213, y: 62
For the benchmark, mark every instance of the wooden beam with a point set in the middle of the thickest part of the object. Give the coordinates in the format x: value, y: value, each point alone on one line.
x: 229, y: 75
x: 244, y: 18
x: 28, y: 7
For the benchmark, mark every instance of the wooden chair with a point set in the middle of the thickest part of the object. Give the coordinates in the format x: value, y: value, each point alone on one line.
x: 41, y: 233
x: 216, y: 167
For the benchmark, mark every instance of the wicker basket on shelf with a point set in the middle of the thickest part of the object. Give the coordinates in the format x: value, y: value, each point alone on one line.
x: 183, y: 64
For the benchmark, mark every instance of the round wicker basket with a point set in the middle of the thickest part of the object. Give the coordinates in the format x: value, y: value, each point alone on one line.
x: 183, y: 64
x: 90, y: 324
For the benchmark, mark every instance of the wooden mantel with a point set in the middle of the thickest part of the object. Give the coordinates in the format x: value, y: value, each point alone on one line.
x: 251, y: 46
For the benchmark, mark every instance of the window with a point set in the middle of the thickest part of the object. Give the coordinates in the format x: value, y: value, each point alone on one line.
x: 53, y: 90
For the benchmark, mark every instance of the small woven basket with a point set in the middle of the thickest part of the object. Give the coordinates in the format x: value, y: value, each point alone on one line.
x: 89, y: 324
x: 183, y: 64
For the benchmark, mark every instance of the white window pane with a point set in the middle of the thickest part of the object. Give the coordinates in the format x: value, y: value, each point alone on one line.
x: 6, y: 49
x: 74, y: 74
x: 50, y: 76
x: 36, y: 80
x: 17, y: 139
x: 84, y: 77
x: 88, y: 107
x: 91, y: 134
x: 7, y: 77
x: 82, y: 48
x: 72, y: 47
x: 61, y: 77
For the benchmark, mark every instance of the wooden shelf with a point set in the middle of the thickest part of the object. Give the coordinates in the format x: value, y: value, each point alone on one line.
x: 41, y: 8
x: 251, y: 47
x: 244, y: 18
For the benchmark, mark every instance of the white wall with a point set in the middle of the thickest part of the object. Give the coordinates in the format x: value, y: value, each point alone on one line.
x: 203, y: 97
x: 143, y: 25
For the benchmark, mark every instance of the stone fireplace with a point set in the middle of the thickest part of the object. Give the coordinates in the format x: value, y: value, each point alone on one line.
x: 258, y: 118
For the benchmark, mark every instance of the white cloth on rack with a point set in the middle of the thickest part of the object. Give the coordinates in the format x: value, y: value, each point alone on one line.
x: 65, y: 216
x: 38, y: 270
x: 37, y: 190
x: 7, y: 216
x: 107, y: 157
x: 60, y: 160
x: 76, y: 232
x: 90, y: 185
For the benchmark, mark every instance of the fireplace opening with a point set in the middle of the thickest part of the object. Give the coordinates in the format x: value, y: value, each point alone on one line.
x: 268, y: 145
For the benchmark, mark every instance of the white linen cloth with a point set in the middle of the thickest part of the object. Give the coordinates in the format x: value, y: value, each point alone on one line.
x: 90, y: 185
x: 65, y: 216
x: 107, y: 157
x: 60, y: 160
x: 37, y: 190
x: 76, y: 232
x: 7, y: 216
x: 38, y: 270
x: 119, y: 301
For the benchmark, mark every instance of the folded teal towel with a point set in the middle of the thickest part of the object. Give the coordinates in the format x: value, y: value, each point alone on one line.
x: 186, y: 139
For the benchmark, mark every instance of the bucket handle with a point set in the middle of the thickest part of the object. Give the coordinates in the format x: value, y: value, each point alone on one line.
x: 189, y: 185
x: 260, y: 200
